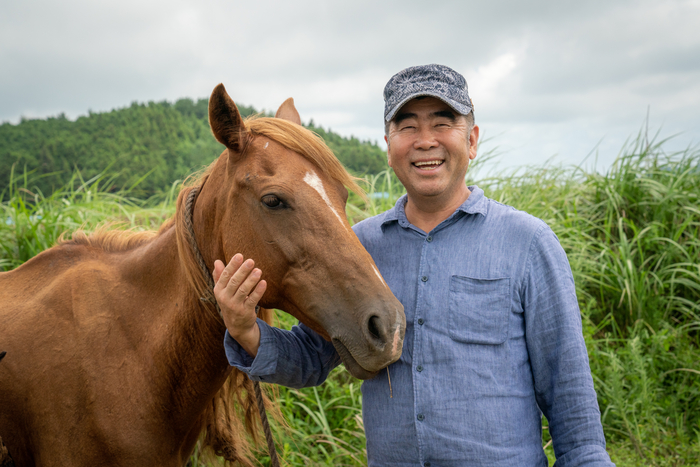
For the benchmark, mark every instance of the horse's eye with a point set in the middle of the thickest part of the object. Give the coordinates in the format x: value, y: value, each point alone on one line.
x: 272, y: 201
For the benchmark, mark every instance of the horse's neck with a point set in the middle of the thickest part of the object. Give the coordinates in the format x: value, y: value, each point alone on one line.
x: 186, y: 337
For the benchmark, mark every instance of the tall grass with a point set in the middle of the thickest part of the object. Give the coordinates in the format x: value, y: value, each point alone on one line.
x: 31, y: 222
x: 632, y: 235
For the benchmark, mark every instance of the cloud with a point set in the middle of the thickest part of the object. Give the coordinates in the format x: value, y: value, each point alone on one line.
x: 545, y: 76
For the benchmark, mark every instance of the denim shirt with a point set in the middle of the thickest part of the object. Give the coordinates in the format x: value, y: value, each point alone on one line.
x: 493, y: 340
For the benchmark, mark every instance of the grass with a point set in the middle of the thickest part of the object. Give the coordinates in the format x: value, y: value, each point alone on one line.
x: 632, y: 235
x: 31, y: 222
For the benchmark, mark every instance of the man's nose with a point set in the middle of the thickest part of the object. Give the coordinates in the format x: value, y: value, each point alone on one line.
x: 425, y: 139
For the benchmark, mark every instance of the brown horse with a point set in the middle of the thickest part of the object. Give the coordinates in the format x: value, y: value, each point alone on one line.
x: 113, y: 359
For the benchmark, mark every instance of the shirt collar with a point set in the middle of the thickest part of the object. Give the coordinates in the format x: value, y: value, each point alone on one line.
x: 475, y: 204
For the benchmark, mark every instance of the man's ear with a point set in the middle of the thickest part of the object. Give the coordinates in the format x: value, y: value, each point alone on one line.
x: 225, y: 120
x: 388, y: 150
x: 288, y: 112
x: 473, y: 141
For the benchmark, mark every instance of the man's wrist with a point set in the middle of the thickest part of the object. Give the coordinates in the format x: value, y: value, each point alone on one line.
x: 249, y: 339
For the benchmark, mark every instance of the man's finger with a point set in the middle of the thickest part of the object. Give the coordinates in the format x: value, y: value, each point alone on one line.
x: 257, y: 293
x: 218, y: 269
x: 228, y: 271
x: 248, y: 284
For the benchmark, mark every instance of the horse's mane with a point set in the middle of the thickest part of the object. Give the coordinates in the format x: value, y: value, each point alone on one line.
x: 108, y: 238
x: 223, y: 431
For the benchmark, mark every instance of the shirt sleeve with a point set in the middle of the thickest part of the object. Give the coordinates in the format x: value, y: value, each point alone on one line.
x: 563, y: 383
x: 297, y: 358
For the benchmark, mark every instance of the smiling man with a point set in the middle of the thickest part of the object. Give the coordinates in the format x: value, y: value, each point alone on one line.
x: 493, y: 330
x: 429, y: 149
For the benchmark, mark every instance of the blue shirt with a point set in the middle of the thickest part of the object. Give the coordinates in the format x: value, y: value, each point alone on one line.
x: 493, y: 340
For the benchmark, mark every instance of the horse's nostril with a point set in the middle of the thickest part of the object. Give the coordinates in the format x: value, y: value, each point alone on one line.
x: 373, y: 327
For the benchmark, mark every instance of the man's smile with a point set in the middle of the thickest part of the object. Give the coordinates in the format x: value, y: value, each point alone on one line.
x: 428, y: 165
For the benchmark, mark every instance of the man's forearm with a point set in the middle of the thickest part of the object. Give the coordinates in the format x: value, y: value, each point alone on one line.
x: 296, y: 358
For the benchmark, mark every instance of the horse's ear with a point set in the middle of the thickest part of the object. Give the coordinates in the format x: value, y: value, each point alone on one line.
x: 287, y: 111
x: 225, y: 120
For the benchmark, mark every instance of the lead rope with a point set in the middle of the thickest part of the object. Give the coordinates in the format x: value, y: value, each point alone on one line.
x: 189, y: 203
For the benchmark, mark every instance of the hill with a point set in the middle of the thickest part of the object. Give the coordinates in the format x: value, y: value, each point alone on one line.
x: 153, y: 144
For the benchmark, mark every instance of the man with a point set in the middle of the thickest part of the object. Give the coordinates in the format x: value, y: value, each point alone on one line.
x: 493, y: 330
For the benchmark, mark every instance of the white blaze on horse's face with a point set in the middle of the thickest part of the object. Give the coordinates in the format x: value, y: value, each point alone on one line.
x: 314, y: 182
x: 380, y: 277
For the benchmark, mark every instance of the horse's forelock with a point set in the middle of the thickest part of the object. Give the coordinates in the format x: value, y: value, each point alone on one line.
x: 307, y: 144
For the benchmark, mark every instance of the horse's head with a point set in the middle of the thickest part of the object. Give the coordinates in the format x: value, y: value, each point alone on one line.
x: 277, y: 195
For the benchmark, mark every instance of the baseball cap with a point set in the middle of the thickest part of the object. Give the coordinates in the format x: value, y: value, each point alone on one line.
x: 433, y: 80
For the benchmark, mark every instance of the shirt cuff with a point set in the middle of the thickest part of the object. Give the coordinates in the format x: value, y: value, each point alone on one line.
x: 263, y: 364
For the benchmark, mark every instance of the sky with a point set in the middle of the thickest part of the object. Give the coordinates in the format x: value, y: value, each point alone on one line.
x: 553, y: 82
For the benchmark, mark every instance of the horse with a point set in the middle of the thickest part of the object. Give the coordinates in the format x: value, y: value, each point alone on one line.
x: 115, y: 354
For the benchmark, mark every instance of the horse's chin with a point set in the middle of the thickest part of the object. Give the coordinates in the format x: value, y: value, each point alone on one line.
x: 350, y: 363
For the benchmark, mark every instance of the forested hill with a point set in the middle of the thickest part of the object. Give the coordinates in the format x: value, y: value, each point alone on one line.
x: 164, y: 140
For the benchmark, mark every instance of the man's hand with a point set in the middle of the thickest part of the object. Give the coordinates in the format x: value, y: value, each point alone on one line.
x: 238, y: 290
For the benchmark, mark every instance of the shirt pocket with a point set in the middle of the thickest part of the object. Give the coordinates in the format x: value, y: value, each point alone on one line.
x: 479, y: 310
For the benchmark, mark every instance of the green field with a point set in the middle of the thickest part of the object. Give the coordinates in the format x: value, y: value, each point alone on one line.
x: 632, y: 235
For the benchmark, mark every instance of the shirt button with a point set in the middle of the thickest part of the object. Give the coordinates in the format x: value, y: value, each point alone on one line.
x: 429, y: 239
x: 420, y: 417
x: 421, y: 321
x: 424, y: 278
x: 419, y: 368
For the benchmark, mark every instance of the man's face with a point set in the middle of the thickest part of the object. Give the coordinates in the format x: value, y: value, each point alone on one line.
x: 429, y: 150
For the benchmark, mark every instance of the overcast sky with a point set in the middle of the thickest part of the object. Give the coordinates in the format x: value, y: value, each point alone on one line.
x: 548, y: 78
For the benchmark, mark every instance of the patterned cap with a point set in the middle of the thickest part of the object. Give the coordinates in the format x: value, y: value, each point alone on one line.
x: 426, y: 80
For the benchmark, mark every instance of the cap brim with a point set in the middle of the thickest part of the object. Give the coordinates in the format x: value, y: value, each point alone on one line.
x: 456, y: 106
